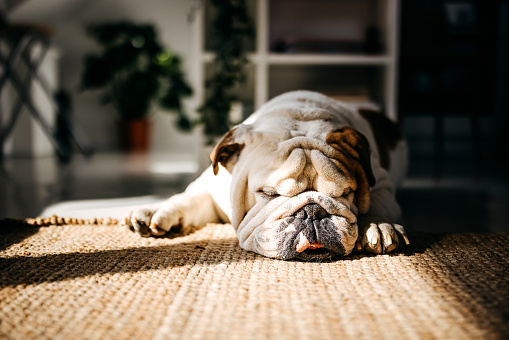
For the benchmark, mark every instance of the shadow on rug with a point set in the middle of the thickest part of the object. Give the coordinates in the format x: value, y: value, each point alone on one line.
x: 102, y: 281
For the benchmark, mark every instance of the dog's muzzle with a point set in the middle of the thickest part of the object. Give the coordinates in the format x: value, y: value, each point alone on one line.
x: 318, y: 230
x: 316, y: 236
x: 309, y: 226
x: 308, y: 217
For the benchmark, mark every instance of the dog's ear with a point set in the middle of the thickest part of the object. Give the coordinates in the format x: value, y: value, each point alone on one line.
x: 226, y: 150
x: 353, y: 144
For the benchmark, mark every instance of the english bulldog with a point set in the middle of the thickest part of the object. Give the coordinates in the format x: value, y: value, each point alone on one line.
x: 302, y: 178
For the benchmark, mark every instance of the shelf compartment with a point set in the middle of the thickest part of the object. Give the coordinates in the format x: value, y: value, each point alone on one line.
x: 355, y: 84
x: 327, y: 26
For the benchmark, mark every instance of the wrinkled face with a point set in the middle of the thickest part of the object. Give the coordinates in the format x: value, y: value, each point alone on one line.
x: 308, y: 226
x: 297, y: 202
x: 298, y: 197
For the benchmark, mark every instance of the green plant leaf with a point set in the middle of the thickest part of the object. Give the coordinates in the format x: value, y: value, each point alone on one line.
x: 231, y: 31
x: 135, y: 71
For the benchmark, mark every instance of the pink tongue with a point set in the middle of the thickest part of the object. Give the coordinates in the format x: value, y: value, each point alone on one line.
x: 315, y: 246
x: 304, y: 244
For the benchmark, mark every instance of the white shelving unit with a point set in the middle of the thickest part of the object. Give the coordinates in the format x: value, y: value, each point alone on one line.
x: 345, y: 74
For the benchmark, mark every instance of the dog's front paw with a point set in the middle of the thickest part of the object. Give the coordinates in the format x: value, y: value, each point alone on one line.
x: 378, y: 236
x: 152, y: 220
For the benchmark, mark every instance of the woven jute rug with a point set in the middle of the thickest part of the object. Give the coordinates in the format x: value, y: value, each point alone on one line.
x: 100, y: 281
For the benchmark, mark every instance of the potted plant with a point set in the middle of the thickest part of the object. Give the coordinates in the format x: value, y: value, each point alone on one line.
x: 135, y: 72
x: 232, y: 30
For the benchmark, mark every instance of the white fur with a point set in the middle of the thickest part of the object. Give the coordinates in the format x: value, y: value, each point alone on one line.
x: 230, y: 197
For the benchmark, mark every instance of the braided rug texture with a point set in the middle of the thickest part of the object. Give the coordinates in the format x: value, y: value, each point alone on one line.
x: 100, y: 281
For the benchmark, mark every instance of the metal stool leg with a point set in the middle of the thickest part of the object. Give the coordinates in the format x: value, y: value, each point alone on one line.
x: 21, y: 52
x: 9, y: 63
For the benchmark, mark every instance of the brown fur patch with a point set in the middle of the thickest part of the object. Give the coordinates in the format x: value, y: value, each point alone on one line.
x: 356, y: 155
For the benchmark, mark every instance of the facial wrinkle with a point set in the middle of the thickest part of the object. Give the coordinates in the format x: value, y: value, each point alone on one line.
x: 329, y: 175
x: 289, y: 179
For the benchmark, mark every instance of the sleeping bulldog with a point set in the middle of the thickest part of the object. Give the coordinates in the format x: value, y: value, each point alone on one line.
x: 304, y: 177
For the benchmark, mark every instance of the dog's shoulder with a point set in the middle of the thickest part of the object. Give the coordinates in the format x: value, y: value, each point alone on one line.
x: 387, y: 134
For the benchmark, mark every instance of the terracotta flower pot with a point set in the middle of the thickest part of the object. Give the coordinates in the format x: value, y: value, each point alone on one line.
x: 135, y: 135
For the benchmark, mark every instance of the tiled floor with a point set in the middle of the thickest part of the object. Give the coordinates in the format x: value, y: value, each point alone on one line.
x: 27, y: 186
x: 456, y: 202
x: 459, y: 200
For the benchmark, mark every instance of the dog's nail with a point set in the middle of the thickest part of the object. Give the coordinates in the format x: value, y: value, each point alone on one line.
x: 155, y: 230
x: 390, y: 245
x: 401, y: 232
x: 373, y: 239
x: 387, y: 239
x: 358, y: 246
x: 374, y: 243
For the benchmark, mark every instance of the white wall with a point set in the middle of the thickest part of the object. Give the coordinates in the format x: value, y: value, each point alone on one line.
x: 69, y: 18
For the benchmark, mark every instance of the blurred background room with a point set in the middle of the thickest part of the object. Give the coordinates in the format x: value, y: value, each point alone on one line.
x: 73, y: 72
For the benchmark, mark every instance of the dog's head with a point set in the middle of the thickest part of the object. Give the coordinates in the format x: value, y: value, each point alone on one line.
x: 297, y: 187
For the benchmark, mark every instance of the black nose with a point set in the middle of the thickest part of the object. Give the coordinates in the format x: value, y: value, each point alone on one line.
x: 313, y: 211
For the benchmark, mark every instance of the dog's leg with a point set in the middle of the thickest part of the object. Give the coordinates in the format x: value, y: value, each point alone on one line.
x: 194, y: 207
x: 378, y: 232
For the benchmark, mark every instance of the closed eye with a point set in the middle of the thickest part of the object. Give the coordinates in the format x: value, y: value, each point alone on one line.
x: 349, y: 195
x: 268, y: 193
x: 346, y: 192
